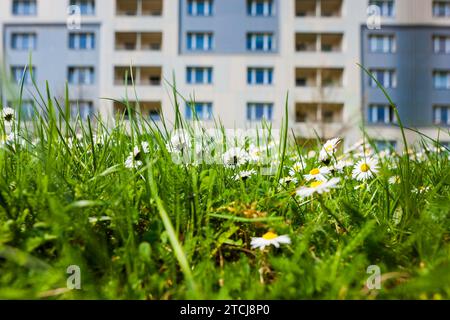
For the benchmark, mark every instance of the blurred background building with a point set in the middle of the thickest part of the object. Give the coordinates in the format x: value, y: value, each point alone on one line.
x: 237, y: 60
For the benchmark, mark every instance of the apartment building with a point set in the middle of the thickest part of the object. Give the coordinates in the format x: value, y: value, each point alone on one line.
x: 410, y: 57
x: 236, y: 60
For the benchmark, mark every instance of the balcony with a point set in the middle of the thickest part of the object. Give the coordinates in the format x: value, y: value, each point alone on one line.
x: 318, y: 8
x: 331, y: 8
x: 323, y: 119
x: 305, y: 8
x: 143, y: 76
x: 306, y: 42
x: 312, y: 42
x: 319, y: 77
x: 139, y: 7
x: 150, y: 110
x: 306, y: 77
x: 319, y: 112
x: 331, y: 42
x: 138, y: 41
x: 331, y: 77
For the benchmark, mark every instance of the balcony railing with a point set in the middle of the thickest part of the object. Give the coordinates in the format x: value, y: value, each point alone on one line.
x: 151, y: 41
x: 140, y: 76
x: 318, y: 8
x: 139, y: 7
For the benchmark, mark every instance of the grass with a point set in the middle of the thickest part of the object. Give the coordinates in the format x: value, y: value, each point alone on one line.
x: 175, y: 230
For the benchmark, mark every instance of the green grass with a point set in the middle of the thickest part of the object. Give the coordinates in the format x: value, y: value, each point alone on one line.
x: 174, y: 231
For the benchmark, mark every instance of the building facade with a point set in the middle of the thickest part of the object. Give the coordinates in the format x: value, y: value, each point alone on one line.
x: 239, y: 61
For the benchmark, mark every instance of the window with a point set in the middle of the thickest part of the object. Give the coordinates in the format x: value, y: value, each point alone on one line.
x: 441, y: 8
x: 441, y: 115
x: 387, y: 78
x: 154, y: 115
x: 200, y: 41
x: 441, y: 44
x: 260, y: 8
x: 260, y: 75
x: 17, y: 74
x: 441, y: 79
x: 24, y: 7
x: 386, y: 7
x: 87, y: 7
x: 82, y: 41
x: 259, y: 111
x: 199, y: 75
x: 202, y: 8
x: 23, y: 41
x: 26, y: 110
x: 260, y: 42
x: 382, y: 43
x: 84, y: 109
x: 203, y: 111
x: 81, y: 75
x: 380, y: 113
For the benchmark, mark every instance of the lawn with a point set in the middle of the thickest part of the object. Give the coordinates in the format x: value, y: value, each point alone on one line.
x: 175, y: 211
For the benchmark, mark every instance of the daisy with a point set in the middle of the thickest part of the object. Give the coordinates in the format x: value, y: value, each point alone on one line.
x: 235, y: 157
x: 255, y: 153
x: 365, y: 169
x: 297, y: 167
x: 319, y: 187
x: 8, y: 114
x: 244, y: 175
x: 394, y: 180
x: 268, y: 239
x: 288, y: 180
x: 6, y: 139
x: 341, y: 164
x: 134, y: 160
x: 180, y: 141
x: 419, y: 190
x: 145, y: 148
x: 319, y: 174
x: 328, y: 149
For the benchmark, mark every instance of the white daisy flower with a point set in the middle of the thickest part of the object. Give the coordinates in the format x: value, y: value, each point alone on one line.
x: 144, y: 146
x: 180, y: 141
x: 318, y: 187
x: 288, y: 180
x: 235, y: 157
x: 255, y: 154
x: 245, y: 174
x: 6, y: 139
x: 328, y: 149
x: 131, y: 162
x: 365, y: 152
x: 319, y: 174
x: 422, y: 189
x: 365, y: 169
x: 134, y: 160
x: 8, y: 114
x: 311, y: 154
x: 268, y: 239
x: 297, y: 167
x: 394, y: 180
x: 341, y: 164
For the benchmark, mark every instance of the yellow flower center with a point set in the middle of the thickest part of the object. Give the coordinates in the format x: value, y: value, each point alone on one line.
x: 365, y: 167
x: 270, y: 235
x: 314, y: 172
x: 329, y: 148
x: 315, y: 184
